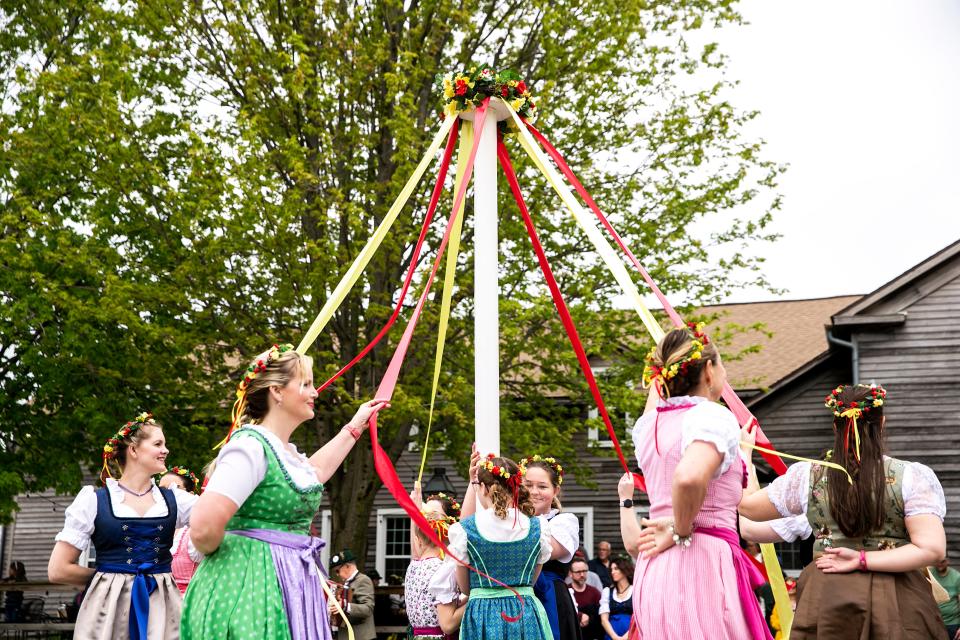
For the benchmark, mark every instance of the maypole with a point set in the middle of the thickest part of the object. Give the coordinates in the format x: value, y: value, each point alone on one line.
x: 486, y: 284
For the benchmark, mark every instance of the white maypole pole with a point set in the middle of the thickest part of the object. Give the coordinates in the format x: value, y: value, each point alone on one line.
x: 486, y: 287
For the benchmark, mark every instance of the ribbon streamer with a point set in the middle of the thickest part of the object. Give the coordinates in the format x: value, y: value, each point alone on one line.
x: 414, y: 260
x: 732, y: 400
x: 363, y: 258
x: 453, y: 251
x: 562, y: 308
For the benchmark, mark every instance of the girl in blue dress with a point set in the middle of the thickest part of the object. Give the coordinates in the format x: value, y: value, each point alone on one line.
x: 505, y: 542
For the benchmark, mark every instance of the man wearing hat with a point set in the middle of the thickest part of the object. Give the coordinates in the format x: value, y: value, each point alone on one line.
x: 358, y: 590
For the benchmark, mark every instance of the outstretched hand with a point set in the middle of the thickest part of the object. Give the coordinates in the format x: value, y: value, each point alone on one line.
x: 839, y: 560
x: 361, y: 420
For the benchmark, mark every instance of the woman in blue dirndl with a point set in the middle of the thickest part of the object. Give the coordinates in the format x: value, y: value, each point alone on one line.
x: 131, y: 522
x: 503, y: 541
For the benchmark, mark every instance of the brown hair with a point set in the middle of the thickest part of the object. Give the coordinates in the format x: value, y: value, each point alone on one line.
x: 625, y: 566
x: 675, y: 347
x: 501, y: 490
x: 857, y: 508
x: 554, y: 479
x: 119, y: 459
x: 278, y: 373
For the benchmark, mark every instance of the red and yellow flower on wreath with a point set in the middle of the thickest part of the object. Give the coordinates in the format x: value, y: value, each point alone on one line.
x: 465, y: 90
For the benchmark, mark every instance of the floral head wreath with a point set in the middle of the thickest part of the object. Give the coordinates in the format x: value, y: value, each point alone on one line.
x: 185, y: 473
x: 113, y: 444
x: 454, y: 505
x: 496, y: 470
x: 465, y: 91
x: 514, y: 480
x: 549, y: 461
x: 255, y: 369
x: 439, y: 522
x: 654, y: 374
x: 852, y: 411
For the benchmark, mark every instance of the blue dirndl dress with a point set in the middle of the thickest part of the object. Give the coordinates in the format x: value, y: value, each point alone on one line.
x: 620, y: 614
x: 513, y: 563
x: 139, y: 549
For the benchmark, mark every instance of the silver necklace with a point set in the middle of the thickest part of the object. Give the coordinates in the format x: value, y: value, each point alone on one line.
x: 134, y: 493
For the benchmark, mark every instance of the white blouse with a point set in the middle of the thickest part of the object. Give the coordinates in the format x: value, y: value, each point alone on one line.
x: 242, y: 464
x: 607, y: 593
x: 565, y: 529
x: 922, y: 492
x: 443, y: 585
x: 705, y: 422
x: 792, y: 528
x: 82, y: 512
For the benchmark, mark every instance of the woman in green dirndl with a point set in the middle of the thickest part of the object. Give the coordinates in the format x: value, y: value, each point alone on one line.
x: 261, y: 575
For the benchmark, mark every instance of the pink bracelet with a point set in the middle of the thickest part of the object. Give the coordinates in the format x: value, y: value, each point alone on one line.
x: 863, y: 560
x: 356, y: 432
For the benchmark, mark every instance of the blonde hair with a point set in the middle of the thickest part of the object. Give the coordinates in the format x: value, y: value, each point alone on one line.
x: 433, y: 518
x: 278, y: 373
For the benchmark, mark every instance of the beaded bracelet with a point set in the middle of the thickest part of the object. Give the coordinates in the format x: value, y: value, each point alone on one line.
x: 863, y: 560
x: 681, y: 541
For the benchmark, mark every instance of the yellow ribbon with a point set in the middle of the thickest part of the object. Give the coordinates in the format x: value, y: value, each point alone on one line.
x: 363, y: 258
x: 822, y: 463
x: 606, y: 251
x: 778, y: 586
x: 336, y: 605
x: 453, y: 250
x: 852, y: 415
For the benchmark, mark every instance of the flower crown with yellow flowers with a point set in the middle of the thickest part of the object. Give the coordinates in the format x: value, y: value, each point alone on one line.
x: 186, y: 473
x: 875, y: 398
x: 494, y: 469
x: 258, y: 367
x: 550, y: 461
x: 112, y: 446
x: 652, y: 372
x: 441, y: 496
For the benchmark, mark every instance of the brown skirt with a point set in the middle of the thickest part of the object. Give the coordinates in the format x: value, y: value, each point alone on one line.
x: 865, y: 606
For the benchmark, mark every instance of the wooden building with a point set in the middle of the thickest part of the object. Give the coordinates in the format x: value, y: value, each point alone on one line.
x: 902, y: 336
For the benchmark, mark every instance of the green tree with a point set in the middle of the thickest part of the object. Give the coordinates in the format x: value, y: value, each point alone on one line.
x: 183, y: 183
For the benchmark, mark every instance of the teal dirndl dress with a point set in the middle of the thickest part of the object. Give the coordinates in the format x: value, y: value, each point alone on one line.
x: 512, y: 563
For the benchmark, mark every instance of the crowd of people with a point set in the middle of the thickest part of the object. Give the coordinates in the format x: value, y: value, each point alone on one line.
x: 238, y: 560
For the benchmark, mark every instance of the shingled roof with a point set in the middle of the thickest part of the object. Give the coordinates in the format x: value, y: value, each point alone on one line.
x: 797, y: 336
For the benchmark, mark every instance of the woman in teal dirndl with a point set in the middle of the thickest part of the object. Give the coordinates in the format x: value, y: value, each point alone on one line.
x: 507, y: 544
x: 261, y: 575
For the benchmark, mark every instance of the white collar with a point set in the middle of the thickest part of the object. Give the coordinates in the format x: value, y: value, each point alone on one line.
x: 353, y: 575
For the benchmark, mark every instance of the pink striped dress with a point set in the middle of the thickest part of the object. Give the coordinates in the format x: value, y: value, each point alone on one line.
x: 690, y: 593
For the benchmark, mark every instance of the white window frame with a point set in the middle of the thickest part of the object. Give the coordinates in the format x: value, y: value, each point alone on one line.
x: 382, y: 514
x: 587, y: 513
x: 593, y: 433
x: 326, y: 517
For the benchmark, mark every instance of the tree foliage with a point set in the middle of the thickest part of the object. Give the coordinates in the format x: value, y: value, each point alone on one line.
x: 183, y: 183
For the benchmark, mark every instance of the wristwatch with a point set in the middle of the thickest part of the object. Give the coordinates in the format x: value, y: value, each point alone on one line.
x: 627, y: 503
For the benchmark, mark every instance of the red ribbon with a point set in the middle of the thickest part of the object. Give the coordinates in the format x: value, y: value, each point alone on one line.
x: 381, y: 461
x: 414, y: 258
x: 562, y: 309
x: 733, y: 401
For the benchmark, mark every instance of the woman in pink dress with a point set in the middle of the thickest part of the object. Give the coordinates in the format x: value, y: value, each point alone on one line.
x: 692, y: 581
x: 185, y: 557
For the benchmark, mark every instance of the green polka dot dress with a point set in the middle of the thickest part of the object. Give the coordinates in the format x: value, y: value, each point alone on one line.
x: 235, y: 592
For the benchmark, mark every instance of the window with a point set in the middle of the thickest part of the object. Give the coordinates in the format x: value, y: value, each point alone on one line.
x: 393, y: 542
x: 585, y: 516
x: 599, y: 436
x: 88, y: 558
x: 325, y: 535
x: 794, y: 556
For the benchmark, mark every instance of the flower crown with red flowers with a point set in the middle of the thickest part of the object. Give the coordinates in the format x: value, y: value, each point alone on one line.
x: 496, y: 470
x: 255, y: 369
x: 113, y: 444
x: 550, y: 462
x: 186, y: 473
x: 454, y: 505
x: 874, y: 398
x: 660, y: 375
x: 466, y: 90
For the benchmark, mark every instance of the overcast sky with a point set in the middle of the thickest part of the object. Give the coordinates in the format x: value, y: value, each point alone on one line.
x: 862, y: 99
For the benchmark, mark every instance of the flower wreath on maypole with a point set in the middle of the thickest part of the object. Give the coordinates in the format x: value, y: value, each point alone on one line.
x: 473, y: 90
